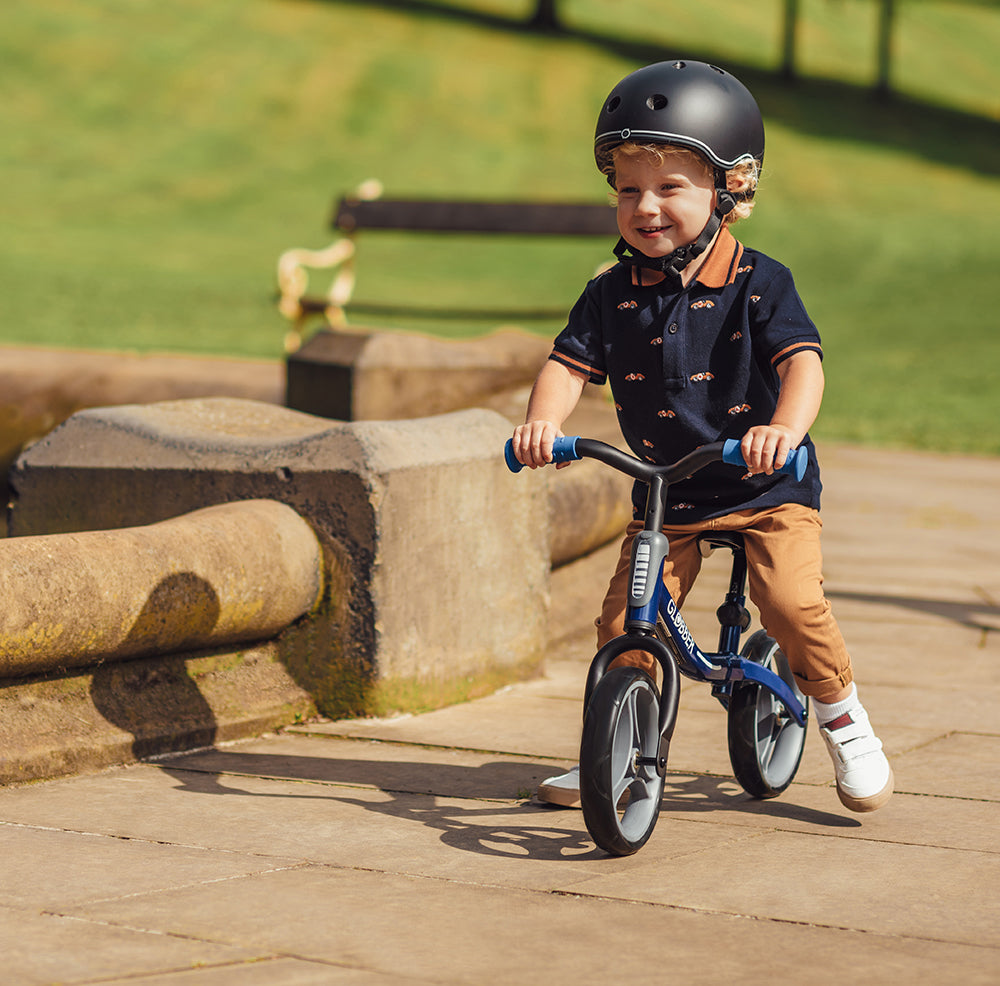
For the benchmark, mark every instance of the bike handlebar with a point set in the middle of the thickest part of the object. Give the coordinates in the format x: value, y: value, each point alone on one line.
x: 571, y: 448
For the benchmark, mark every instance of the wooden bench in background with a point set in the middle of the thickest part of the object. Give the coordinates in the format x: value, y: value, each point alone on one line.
x: 365, y: 211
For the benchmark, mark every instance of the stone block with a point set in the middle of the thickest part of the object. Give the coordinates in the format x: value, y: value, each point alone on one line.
x: 381, y: 375
x: 436, y: 558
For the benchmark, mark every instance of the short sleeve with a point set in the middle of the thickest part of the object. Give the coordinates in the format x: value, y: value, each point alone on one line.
x: 781, y: 326
x: 580, y: 346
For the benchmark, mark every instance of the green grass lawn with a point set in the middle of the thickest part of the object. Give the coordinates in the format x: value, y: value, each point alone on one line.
x: 157, y: 158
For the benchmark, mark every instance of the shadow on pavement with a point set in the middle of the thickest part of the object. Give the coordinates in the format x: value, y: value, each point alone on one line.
x: 703, y: 793
x: 983, y: 616
x: 523, y: 830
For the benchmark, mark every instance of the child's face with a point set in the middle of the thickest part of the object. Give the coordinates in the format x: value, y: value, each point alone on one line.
x: 662, y: 207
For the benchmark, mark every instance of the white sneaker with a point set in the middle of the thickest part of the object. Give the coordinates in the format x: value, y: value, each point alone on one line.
x: 562, y: 789
x: 864, y: 777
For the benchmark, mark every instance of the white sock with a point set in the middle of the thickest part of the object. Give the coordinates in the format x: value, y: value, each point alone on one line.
x: 828, y: 711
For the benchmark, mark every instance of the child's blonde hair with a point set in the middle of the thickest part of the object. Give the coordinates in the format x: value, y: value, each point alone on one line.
x: 741, y: 180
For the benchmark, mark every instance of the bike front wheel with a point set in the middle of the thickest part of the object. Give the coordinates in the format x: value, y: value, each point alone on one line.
x: 620, y: 786
x: 765, y: 741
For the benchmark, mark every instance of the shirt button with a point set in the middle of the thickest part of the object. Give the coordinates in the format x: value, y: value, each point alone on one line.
x: 672, y: 328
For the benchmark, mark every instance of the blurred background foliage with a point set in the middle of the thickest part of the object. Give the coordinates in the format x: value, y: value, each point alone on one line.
x: 159, y: 156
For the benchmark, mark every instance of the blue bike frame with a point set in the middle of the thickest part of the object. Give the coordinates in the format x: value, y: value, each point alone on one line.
x: 649, y: 598
x: 679, y: 653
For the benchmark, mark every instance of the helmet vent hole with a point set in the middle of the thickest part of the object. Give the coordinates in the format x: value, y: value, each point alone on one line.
x: 614, y: 103
x: 657, y: 101
x: 679, y: 65
x: 715, y: 68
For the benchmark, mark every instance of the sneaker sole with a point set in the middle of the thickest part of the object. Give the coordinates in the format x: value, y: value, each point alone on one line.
x: 871, y: 803
x: 559, y: 796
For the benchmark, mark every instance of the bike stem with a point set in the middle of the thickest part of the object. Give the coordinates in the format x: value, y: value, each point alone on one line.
x: 656, y: 502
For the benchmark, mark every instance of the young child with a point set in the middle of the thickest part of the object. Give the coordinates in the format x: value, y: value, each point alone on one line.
x: 703, y: 339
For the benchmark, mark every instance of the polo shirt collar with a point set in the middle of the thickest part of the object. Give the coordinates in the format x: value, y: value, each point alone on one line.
x: 719, y: 268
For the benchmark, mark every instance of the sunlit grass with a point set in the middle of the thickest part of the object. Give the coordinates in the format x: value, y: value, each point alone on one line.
x: 158, y: 158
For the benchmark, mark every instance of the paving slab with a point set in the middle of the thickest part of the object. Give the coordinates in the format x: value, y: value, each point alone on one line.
x: 947, y: 823
x: 50, y: 948
x: 889, y: 889
x: 36, y: 875
x: 441, y: 931
x: 959, y: 765
x: 511, y: 722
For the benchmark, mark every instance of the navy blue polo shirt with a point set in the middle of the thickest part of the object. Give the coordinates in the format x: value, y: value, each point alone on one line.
x: 695, y: 366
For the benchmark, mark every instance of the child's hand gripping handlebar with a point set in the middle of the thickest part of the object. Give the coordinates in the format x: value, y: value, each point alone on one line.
x: 566, y: 450
x: 795, y: 461
x: 563, y: 450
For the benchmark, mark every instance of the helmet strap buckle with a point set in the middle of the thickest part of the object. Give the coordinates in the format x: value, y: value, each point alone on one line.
x: 674, y: 263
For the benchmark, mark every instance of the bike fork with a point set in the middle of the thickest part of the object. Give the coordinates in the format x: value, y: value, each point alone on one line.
x: 669, y: 693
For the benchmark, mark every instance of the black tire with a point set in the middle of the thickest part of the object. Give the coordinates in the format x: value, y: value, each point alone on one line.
x: 765, y: 741
x: 620, y: 797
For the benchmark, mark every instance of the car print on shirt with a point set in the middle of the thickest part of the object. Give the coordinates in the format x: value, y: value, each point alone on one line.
x: 635, y: 376
x: 755, y: 298
x: 666, y: 414
x: 736, y: 336
x: 739, y: 409
x: 682, y: 506
x: 700, y: 377
x: 648, y: 443
x: 658, y: 341
x: 744, y: 270
x: 704, y: 303
x: 627, y: 305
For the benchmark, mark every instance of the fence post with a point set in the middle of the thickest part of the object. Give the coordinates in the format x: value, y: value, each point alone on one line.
x: 886, y: 16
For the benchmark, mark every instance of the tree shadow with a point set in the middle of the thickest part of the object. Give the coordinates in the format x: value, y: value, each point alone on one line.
x: 824, y: 108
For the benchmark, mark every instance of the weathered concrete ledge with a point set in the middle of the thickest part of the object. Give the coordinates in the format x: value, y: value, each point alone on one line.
x: 122, y: 711
x: 219, y: 576
x: 376, y: 375
x: 437, y: 558
x: 40, y: 388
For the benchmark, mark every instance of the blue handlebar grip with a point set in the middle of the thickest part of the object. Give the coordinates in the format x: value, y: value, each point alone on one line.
x: 563, y: 450
x: 508, y: 456
x: 795, y: 462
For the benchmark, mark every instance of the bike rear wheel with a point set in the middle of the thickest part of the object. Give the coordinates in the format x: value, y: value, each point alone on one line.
x: 620, y: 786
x: 765, y: 741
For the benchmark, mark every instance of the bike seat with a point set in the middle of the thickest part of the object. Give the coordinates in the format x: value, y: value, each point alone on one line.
x: 710, y: 540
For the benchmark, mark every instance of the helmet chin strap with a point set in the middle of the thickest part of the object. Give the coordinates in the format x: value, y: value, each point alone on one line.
x: 673, y: 263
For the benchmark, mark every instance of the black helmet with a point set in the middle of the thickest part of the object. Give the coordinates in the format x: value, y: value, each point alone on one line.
x: 690, y: 104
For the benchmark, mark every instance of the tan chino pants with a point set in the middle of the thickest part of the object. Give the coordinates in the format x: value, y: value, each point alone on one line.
x: 785, y: 582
